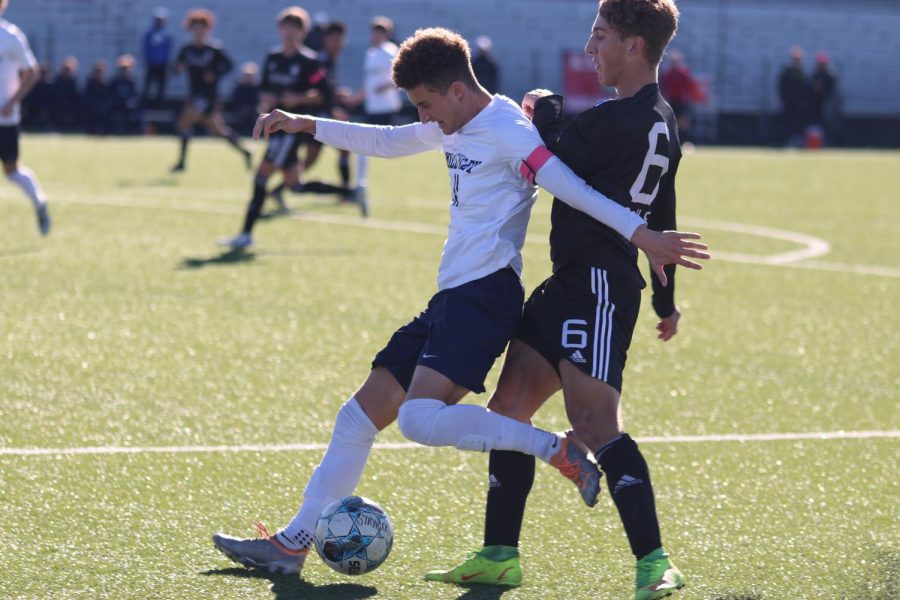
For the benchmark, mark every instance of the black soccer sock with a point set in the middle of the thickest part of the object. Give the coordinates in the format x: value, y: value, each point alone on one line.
x: 235, y: 142
x: 344, y: 168
x: 511, y: 477
x: 256, y: 204
x: 184, y: 146
x: 629, y: 484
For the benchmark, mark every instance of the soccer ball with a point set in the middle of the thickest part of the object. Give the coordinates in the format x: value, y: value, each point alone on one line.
x: 354, y: 535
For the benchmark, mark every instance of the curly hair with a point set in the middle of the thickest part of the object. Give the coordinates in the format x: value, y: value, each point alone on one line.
x: 433, y: 57
x: 654, y: 20
x: 200, y: 16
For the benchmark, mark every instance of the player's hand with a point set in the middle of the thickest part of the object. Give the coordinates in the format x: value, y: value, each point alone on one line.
x: 291, y: 99
x: 312, y: 97
x: 530, y: 98
x: 340, y: 114
x: 668, y: 326
x: 279, y: 120
x: 344, y: 95
x: 8, y: 108
x: 669, y: 248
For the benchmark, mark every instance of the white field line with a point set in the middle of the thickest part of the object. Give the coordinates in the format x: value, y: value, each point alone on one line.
x: 812, y: 247
x: 675, y: 439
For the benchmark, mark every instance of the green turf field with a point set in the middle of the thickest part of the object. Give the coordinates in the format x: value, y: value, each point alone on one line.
x: 127, y: 327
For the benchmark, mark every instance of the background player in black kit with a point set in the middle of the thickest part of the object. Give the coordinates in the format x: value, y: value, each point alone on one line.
x: 293, y: 80
x: 333, y: 38
x: 577, y: 325
x: 206, y: 63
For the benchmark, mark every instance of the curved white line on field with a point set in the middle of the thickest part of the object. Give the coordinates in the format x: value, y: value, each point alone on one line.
x: 675, y: 439
x: 813, y: 246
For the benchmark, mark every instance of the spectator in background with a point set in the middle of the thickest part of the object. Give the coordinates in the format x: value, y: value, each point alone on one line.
x: 823, y: 105
x: 681, y: 89
x: 97, y: 101
x: 244, y: 101
x: 793, y: 89
x: 487, y: 71
x: 157, y: 50
x: 38, y: 105
x: 66, y: 99
x: 126, y: 109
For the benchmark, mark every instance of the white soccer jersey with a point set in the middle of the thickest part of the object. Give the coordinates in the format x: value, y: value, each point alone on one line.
x: 15, y: 55
x: 490, y: 197
x: 377, y: 68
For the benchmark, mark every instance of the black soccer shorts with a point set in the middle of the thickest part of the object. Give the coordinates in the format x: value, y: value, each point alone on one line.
x: 283, y: 148
x: 9, y: 143
x: 584, y: 315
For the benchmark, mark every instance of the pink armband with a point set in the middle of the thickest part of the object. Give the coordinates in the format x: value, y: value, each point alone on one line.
x: 534, y: 162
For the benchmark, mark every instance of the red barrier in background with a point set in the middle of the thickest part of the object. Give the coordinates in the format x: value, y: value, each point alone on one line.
x: 580, y: 85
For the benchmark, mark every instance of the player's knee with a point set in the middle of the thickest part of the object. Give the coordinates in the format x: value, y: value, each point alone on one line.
x: 417, y: 418
x: 506, y: 405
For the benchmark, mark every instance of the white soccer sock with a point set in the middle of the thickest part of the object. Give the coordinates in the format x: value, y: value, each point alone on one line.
x: 362, y: 170
x: 469, y: 427
x: 337, y: 474
x: 25, y: 179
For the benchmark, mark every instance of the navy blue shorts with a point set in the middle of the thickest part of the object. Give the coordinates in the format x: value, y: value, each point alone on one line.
x: 460, y: 334
x: 584, y: 315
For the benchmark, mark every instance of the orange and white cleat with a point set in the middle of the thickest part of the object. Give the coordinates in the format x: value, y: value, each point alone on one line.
x: 574, y: 464
x: 264, y: 553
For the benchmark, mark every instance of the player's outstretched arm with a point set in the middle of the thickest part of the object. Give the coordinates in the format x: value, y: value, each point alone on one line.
x: 370, y: 140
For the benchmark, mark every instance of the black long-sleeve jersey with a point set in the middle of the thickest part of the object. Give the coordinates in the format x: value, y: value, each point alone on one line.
x: 628, y: 150
x: 297, y: 73
x: 206, y: 65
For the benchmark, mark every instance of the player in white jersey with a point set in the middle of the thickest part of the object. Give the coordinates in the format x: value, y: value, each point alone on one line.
x: 381, y: 98
x: 493, y: 155
x: 19, y: 72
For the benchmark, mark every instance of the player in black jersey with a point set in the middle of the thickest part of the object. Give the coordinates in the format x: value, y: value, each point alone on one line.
x: 577, y: 325
x: 333, y: 37
x: 292, y: 80
x: 206, y: 63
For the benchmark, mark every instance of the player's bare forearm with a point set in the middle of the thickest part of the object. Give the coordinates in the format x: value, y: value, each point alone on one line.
x: 28, y: 79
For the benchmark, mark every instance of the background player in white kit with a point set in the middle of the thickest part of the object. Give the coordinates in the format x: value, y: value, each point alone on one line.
x: 18, y: 73
x: 380, y: 97
x: 493, y: 155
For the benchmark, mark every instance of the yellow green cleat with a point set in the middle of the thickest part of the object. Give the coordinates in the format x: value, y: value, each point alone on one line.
x: 657, y: 576
x: 492, y: 565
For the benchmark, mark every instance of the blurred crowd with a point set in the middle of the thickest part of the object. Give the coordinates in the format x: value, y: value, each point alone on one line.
x: 810, y: 102
x: 110, y: 100
x: 105, y: 103
x: 117, y: 101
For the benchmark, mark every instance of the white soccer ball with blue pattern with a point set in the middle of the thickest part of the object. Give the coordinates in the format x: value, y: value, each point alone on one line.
x: 354, y: 535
